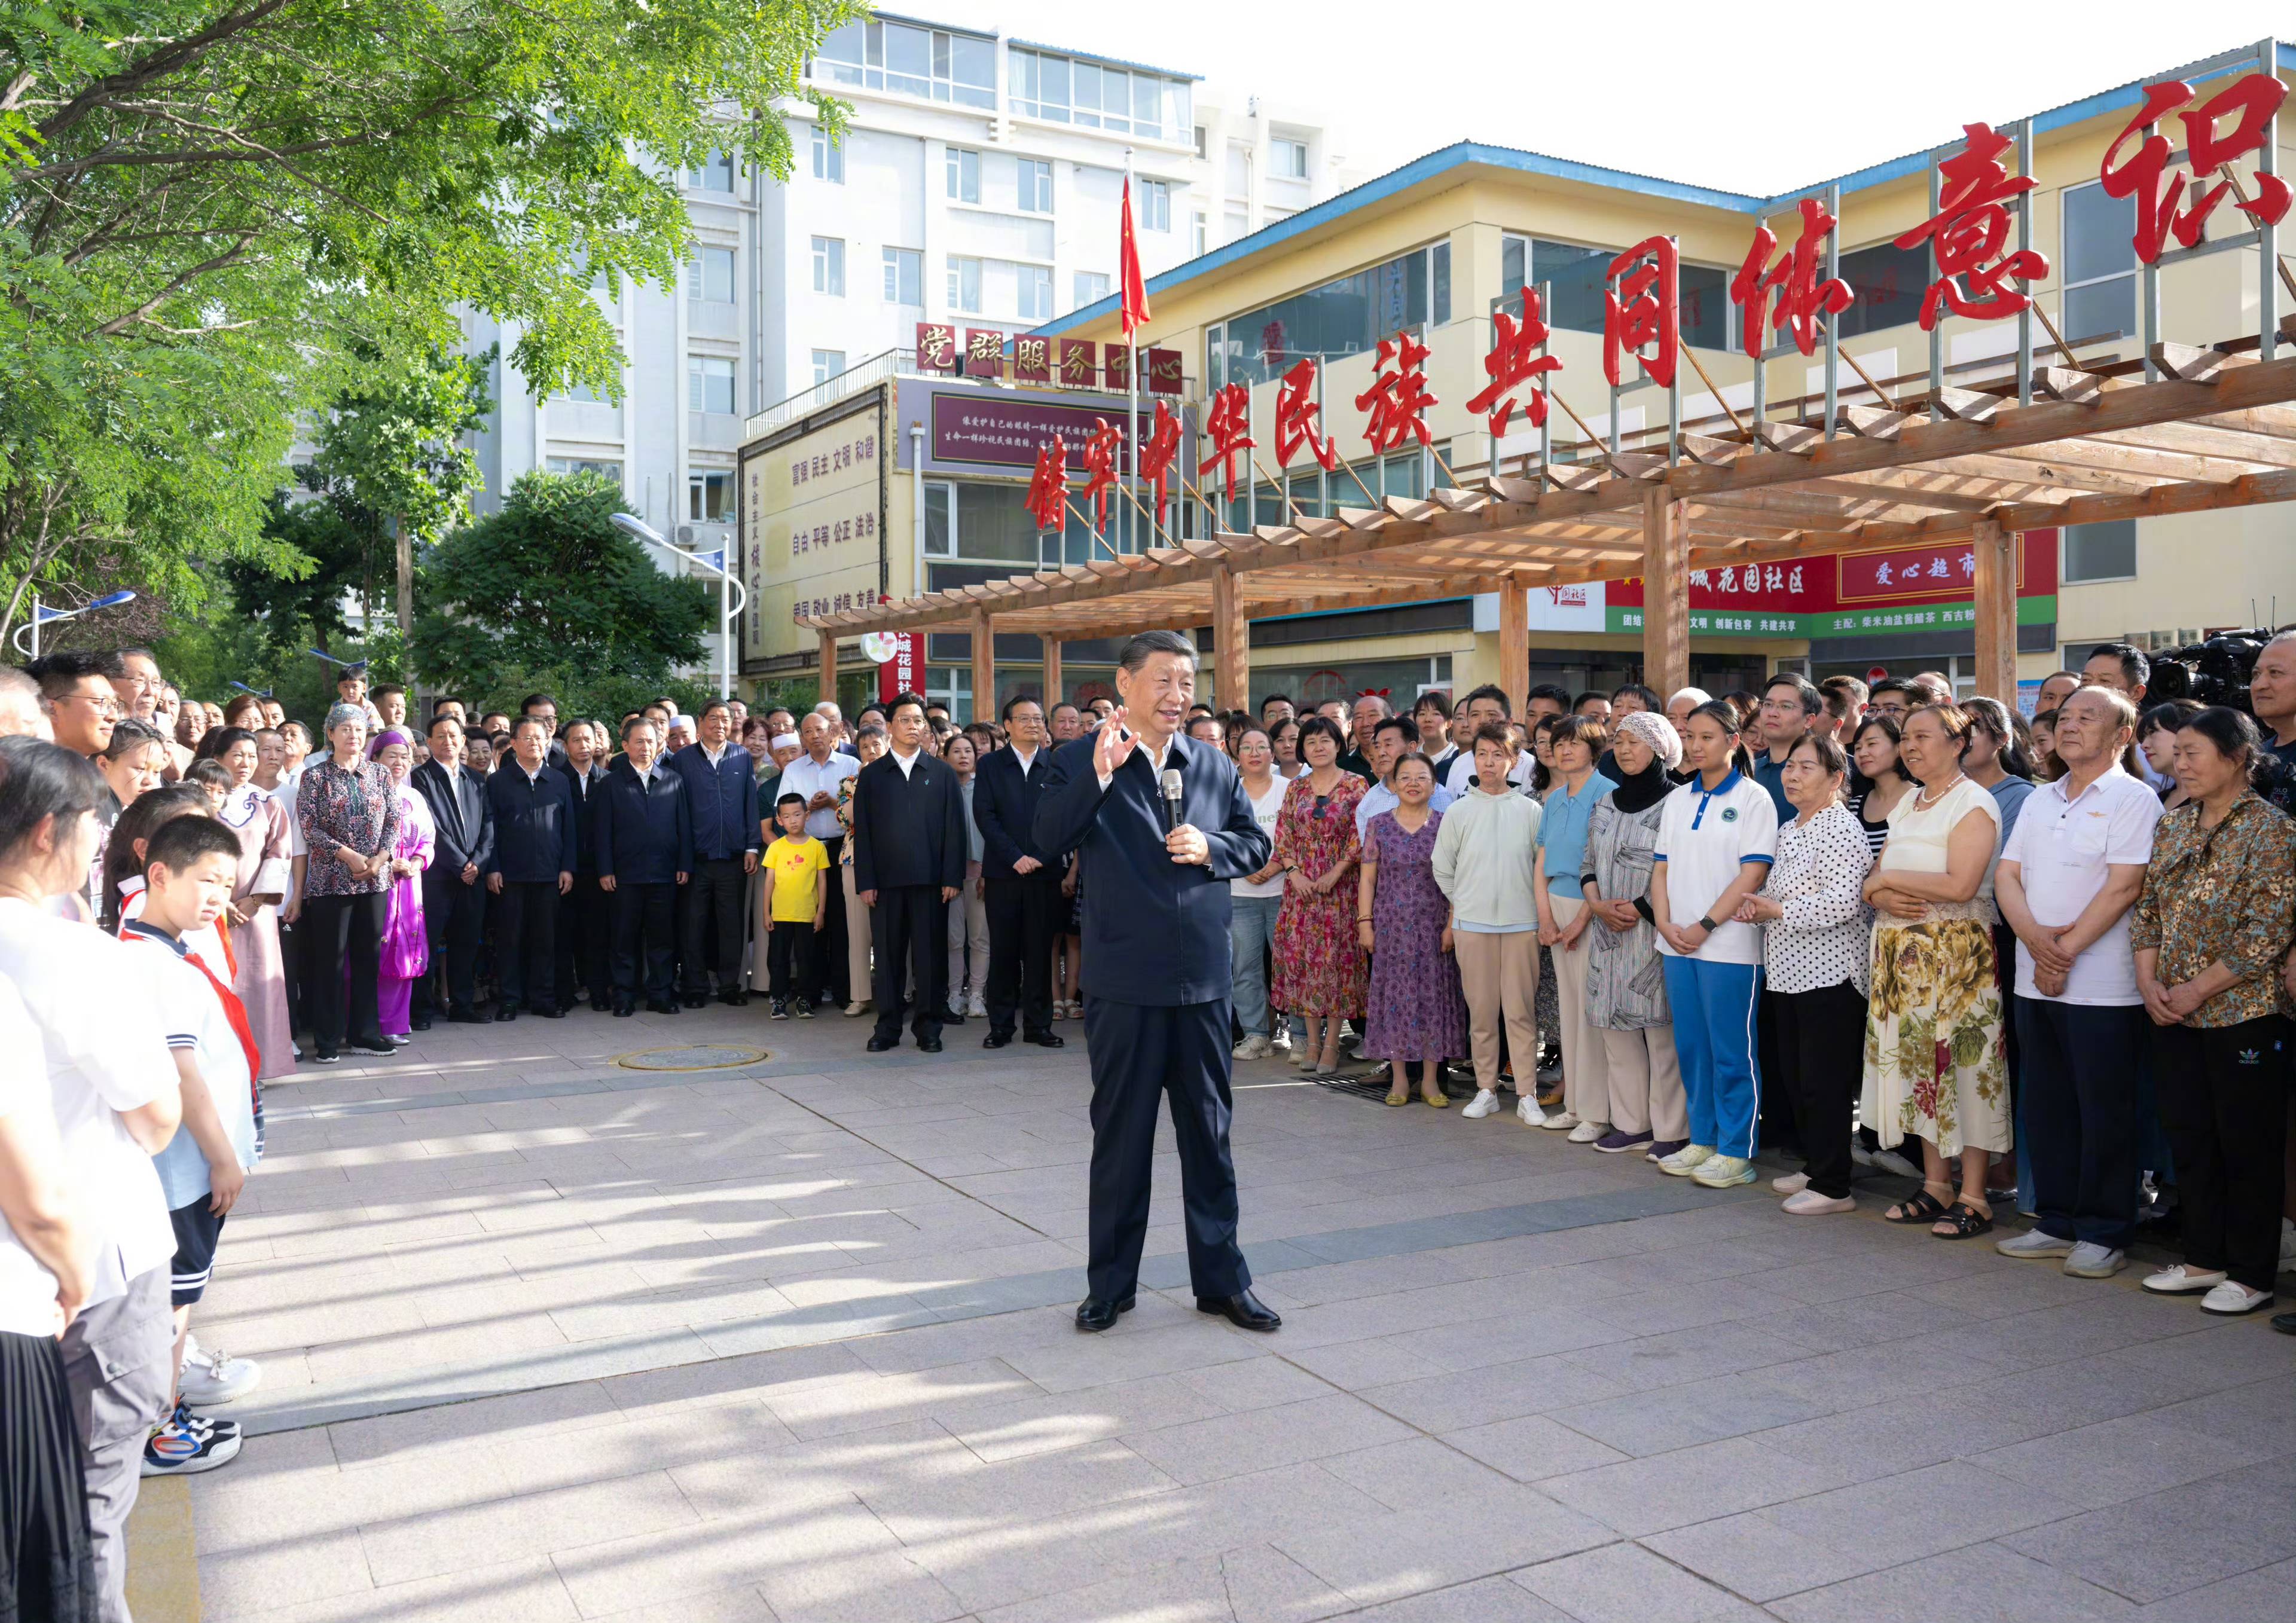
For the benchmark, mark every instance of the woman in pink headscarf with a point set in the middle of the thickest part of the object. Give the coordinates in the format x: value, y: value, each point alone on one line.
x: 404, y: 956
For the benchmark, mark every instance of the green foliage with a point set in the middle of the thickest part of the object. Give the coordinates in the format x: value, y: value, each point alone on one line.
x: 548, y: 594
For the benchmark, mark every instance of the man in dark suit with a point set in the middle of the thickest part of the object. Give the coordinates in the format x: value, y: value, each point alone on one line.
x: 1021, y: 882
x: 721, y: 795
x: 908, y: 864
x: 1157, y: 971
x: 454, y: 888
x: 584, y: 927
x: 643, y: 831
x: 533, y: 808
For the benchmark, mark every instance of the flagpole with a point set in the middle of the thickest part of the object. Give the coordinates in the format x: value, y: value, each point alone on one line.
x: 1131, y: 344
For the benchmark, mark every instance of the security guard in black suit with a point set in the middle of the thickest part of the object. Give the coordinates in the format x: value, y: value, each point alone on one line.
x: 1157, y: 973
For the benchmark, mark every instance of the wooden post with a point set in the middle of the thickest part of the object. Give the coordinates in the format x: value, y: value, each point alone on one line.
x: 984, y: 666
x: 1052, y: 693
x: 829, y: 666
x: 1996, y: 611
x: 1232, y: 643
x: 1515, y: 647
x: 1666, y: 595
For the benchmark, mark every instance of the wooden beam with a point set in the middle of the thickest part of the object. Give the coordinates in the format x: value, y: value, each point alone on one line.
x: 1666, y: 595
x: 1051, y: 694
x: 826, y: 672
x: 1996, y: 603
x: 1515, y: 648
x: 984, y: 665
x: 1231, y: 644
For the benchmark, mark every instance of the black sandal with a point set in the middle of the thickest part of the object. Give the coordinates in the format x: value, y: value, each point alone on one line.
x: 1966, y: 1222
x: 1923, y: 1208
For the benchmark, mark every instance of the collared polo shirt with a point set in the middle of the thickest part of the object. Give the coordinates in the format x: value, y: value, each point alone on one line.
x: 2062, y: 850
x: 1705, y: 837
x: 806, y: 778
x: 1563, y: 833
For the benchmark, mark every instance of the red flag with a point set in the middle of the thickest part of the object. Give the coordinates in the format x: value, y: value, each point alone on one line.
x: 1136, y: 290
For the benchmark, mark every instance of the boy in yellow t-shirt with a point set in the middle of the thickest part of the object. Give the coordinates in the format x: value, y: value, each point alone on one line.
x: 796, y: 862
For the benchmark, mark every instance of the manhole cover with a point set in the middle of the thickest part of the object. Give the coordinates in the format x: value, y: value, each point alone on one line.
x: 706, y: 1056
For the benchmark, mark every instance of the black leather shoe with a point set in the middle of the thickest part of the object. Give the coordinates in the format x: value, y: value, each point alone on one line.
x: 950, y: 1017
x: 421, y: 1022
x: 661, y: 1005
x: 1096, y: 1315
x: 552, y: 1012
x: 694, y: 1000
x: 508, y: 1012
x: 1047, y: 1039
x: 1245, y: 1311
x: 599, y: 1005
x: 996, y: 1039
x: 623, y: 1010
x: 2285, y: 1323
x: 466, y: 1016
x: 879, y: 1045
x: 735, y: 999
x: 928, y: 1045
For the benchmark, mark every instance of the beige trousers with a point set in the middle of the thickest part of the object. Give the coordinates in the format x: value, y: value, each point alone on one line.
x: 857, y: 941
x: 1585, y: 1085
x: 1500, y: 974
x: 1645, y: 1082
x: 968, y: 924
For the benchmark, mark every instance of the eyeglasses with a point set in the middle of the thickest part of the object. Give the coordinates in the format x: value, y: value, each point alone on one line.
x: 106, y: 704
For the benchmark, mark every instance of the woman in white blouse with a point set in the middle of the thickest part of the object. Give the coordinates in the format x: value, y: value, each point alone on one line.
x: 1814, y: 961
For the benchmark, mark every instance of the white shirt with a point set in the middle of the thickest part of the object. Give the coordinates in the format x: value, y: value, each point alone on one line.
x: 93, y: 1006
x: 2062, y: 850
x: 906, y: 763
x: 713, y: 756
x: 535, y: 776
x: 807, y: 778
x: 28, y: 1292
x: 1265, y: 811
x: 1156, y: 759
x: 192, y: 1018
x: 285, y: 795
x: 1027, y: 761
x: 1705, y: 839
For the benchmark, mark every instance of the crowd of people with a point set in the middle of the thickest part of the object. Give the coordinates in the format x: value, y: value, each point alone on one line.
x: 2048, y: 964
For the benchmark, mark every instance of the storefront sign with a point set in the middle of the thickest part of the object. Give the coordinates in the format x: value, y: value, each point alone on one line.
x: 903, y: 670
x: 984, y: 353
x: 1079, y: 363
x: 812, y: 539
x: 1001, y: 430
x: 936, y: 347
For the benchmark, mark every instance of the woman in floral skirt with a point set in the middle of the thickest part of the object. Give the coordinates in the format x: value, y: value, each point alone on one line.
x: 1319, y: 969
x: 1417, y: 1012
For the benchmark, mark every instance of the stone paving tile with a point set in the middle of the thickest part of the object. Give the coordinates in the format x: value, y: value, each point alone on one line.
x: 1989, y: 1584
x: 1624, y: 1583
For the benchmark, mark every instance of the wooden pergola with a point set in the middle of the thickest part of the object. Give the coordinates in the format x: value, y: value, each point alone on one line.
x: 2215, y: 430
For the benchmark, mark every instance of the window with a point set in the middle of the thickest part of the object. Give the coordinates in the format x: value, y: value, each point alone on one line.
x: 990, y: 524
x: 714, y: 173
x: 709, y: 279
x: 963, y: 175
x: 586, y: 392
x: 1344, y: 317
x: 1196, y: 235
x: 904, y: 276
x: 965, y: 284
x: 1287, y: 159
x: 1203, y: 137
x: 1091, y: 288
x: 709, y: 384
x: 1439, y: 262
x: 936, y: 64
x: 1036, y: 185
x: 585, y: 465
x: 2099, y: 279
x: 2100, y: 551
x: 1155, y: 205
x: 1036, y: 292
x: 1067, y: 91
x: 710, y: 497
x: 1575, y: 273
x: 828, y: 158
x: 829, y: 267
x: 827, y: 363
x: 1886, y: 283
x: 1235, y: 224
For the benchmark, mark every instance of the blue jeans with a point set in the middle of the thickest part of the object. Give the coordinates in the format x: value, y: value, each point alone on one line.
x: 1251, y: 937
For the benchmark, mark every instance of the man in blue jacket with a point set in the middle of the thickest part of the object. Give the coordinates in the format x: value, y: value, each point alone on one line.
x: 533, y: 810
x: 721, y: 795
x: 643, y: 832
x: 1021, y: 882
x: 1156, y: 972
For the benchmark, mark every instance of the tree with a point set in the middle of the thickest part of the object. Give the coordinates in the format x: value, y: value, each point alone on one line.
x: 547, y: 594
x: 206, y: 206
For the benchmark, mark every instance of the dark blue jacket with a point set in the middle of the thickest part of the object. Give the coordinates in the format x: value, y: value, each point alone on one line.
x: 584, y: 788
x: 722, y: 801
x: 641, y: 833
x: 465, y: 828
x: 1004, y: 809
x: 534, y: 823
x: 907, y: 830
x: 1157, y: 928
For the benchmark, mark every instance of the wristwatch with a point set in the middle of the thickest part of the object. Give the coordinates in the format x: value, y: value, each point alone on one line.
x: 1706, y: 924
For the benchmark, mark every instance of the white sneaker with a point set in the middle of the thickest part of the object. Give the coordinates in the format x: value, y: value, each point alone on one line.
x: 2033, y: 1242
x: 1587, y: 1132
x: 1793, y: 1183
x: 2089, y: 1260
x: 1527, y: 1111
x: 1687, y: 1161
x: 211, y: 1378
x: 1485, y: 1103
x: 1722, y: 1171
x: 1809, y: 1203
x: 978, y: 1009
x: 2182, y: 1280
x: 2232, y: 1297
x: 1254, y: 1046
x: 1561, y: 1121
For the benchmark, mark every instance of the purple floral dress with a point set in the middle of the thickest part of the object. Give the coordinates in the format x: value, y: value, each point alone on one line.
x: 1417, y: 1010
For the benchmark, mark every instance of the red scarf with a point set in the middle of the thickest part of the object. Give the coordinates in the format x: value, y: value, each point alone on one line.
x: 234, y: 1009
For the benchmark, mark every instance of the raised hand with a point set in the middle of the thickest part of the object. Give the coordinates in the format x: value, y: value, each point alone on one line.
x: 1113, y: 744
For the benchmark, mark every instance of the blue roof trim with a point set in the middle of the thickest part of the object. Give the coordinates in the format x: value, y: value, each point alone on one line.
x: 1114, y: 62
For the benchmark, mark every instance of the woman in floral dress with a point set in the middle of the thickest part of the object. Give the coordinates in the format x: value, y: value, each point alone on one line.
x: 1417, y: 1010
x: 1319, y: 969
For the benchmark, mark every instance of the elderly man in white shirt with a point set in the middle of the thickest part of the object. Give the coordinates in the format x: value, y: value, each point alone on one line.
x: 816, y: 775
x: 1394, y: 738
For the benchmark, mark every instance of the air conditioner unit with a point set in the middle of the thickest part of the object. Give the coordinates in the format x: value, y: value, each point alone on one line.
x: 686, y: 535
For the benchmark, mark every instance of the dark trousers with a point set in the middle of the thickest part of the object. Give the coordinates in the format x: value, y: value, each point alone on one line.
x: 1821, y: 1049
x: 1775, y: 1101
x: 788, y: 959
x: 1023, y: 914
x: 345, y: 930
x: 586, y: 930
x: 453, y: 916
x: 646, y: 919
x: 526, y: 946
x: 2224, y: 1098
x: 710, y: 914
x: 2077, y: 1102
x: 1140, y: 1053
x: 909, y: 926
x: 833, y: 983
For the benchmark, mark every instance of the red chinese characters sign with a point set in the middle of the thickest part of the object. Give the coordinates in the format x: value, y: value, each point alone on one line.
x: 1889, y: 590
x: 904, y: 672
x: 1080, y: 362
x: 1514, y: 360
x: 1642, y: 310
x: 984, y: 353
x: 2144, y: 173
x: 1788, y: 292
x: 1969, y: 231
x: 1297, y: 419
x: 936, y: 347
x: 1398, y: 398
x: 1163, y: 370
x: 1229, y: 429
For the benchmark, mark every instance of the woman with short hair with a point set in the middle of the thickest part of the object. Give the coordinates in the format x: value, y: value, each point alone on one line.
x: 1415, y: 1009
x: 1319, y: 969
x: 349, y: 811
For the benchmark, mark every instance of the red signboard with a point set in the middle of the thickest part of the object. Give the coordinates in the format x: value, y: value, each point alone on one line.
x: 1080, y: 362
x: 1163, y: 369
x: 1032, y: 359
x: 936, y: 347
x: 1941, y: 573
x: 904, y: 672
x: 1116, y: 367
x: 984, y: 353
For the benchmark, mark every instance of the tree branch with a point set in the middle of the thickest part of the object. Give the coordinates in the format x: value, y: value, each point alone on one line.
x: 176, y: 284
x: 168, y: 59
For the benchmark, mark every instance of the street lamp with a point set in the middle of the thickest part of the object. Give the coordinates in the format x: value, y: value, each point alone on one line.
x: 42, y: 615
x: 733, y: 597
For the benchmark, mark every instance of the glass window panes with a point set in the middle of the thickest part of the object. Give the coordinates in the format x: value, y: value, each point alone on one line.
x: 2100, y: 263
x: 965, y: 284
x: 585, y: 465
x: 1288, y: 160
x: 1196, y: 235
x: 581, y: 391
x: 828, y: 158
x: 963, y: 175
x: 1155, y: 205
x: 1886, y: 283
x: 1344, y: 317
x: 709, y: 496
x: 904, y: 275
x: 2100, y: 552
x: 1099, y: 96
x: 1705, y: 308
x: 1036, y: 185
x: 2100, y: 309
x: 908, y: 57
x: 1034, y: 282
x: 1439, y: 273
x: 827, y: 363
x: 971, y: 71
x: 938, y: 63
x: 711, y: 277
x: 710, y: 383
x: 714, y: 173
x: 829, y: 267
x: 940, y: 500
x: 1091, y: 288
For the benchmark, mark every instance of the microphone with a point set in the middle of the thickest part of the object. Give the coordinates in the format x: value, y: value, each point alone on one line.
x: 1170, y: 784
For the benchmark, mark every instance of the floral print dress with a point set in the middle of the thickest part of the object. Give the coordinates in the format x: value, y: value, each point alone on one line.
x: 1417, y: 1009
x: 1936, y: 1063
x: 1319, y: 969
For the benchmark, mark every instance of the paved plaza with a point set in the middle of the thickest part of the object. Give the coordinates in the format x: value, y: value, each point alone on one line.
x: 547, y: 1336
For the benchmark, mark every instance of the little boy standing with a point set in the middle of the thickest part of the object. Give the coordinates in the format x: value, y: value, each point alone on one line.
x: 796, y: 861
